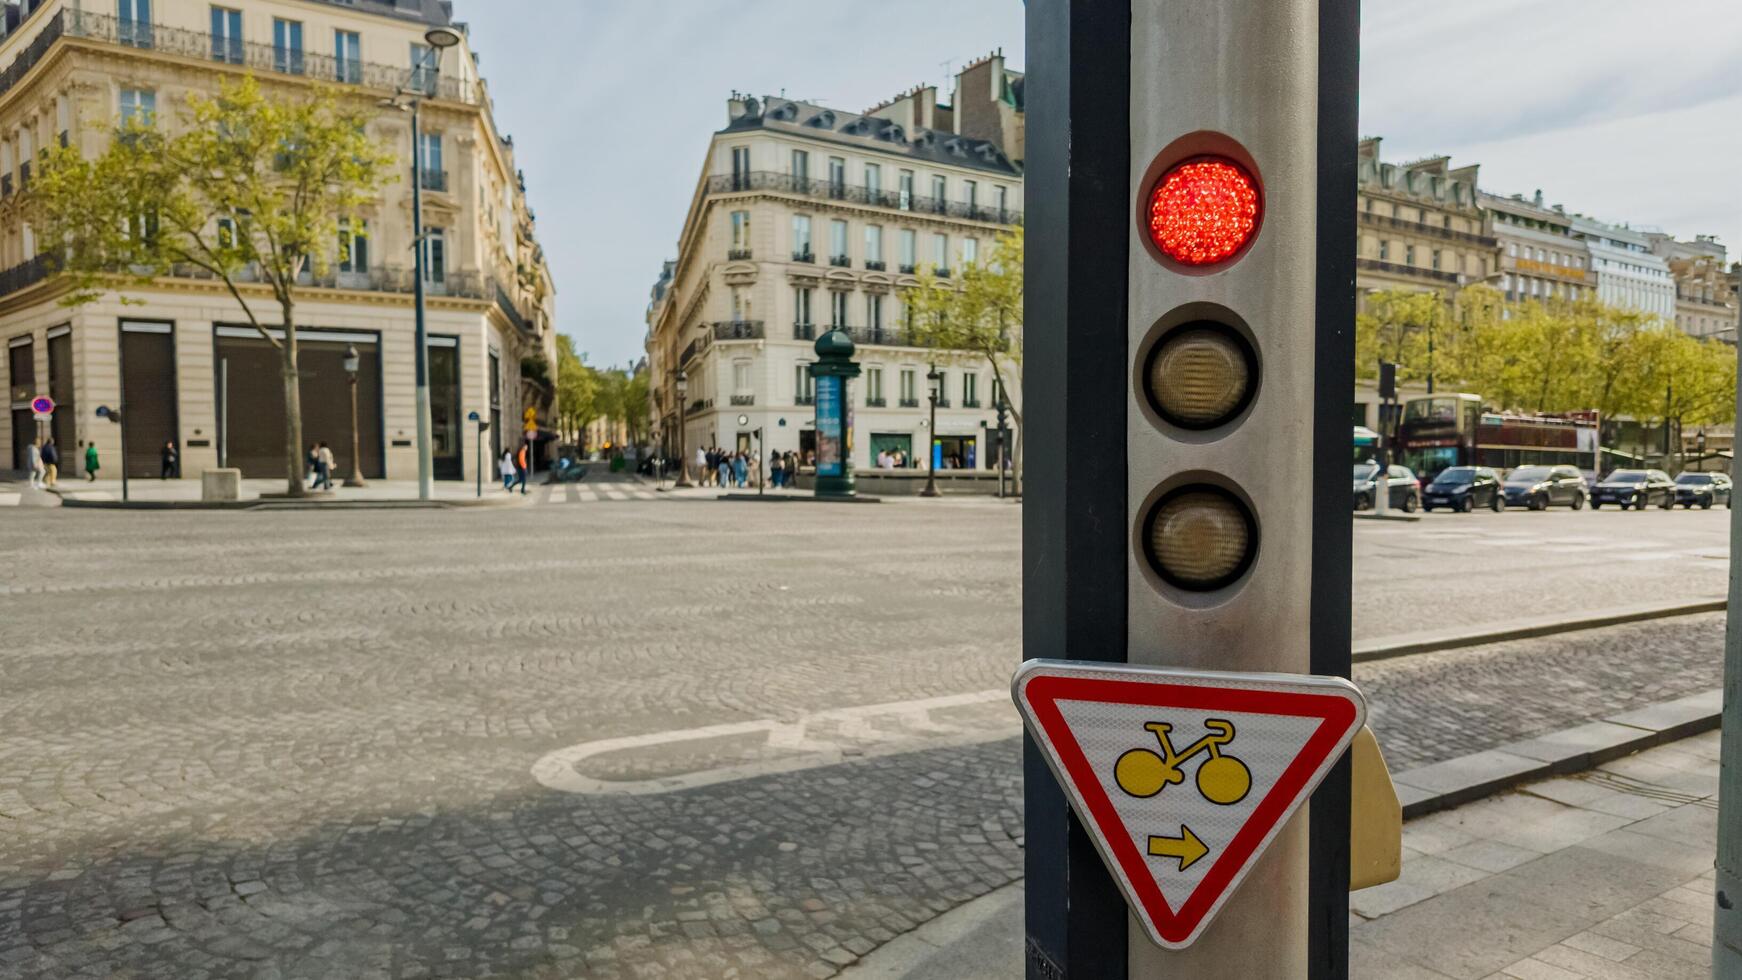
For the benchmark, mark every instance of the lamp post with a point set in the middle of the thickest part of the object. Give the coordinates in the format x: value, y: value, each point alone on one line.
x: 352, y: 362
x: 932, y: 382
x: 683, y: 406
x: 439, y: 39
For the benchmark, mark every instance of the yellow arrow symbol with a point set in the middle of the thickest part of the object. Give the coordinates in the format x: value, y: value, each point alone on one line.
x: 1186, y: 847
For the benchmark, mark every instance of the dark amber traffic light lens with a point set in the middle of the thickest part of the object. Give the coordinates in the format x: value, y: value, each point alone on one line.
x: 1203, y: 211
x: 1200, y: 538
x: 1201, y: 375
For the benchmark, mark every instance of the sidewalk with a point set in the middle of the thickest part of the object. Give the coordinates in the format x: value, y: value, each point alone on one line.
x: 1606, y: 875
x: 187, y: 492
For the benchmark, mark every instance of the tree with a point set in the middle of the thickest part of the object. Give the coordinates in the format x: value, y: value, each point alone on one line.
x: 249, y: 190
x: 1396, y: 327
x: 577, y: 390
x: 984, y: 316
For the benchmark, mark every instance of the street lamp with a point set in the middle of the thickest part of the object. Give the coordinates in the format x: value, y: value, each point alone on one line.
x: 439, y: 39
x: 683, y: 405
x: 933, y: 381
x: 352, y: 362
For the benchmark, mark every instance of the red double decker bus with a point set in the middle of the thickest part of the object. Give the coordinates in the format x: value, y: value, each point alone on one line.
x: 1438, y: 431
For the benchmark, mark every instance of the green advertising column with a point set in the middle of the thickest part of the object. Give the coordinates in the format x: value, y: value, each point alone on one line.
x: 833, y: 369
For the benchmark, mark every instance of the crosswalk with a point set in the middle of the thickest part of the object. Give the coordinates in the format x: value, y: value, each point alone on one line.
x: 602, y: 492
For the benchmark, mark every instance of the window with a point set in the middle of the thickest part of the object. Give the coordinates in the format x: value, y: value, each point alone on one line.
x: 741, y: 377
x: 939, y: 191
x: 873, y: 182
x: 740, y: 167
x: 838, y: 308
x: 837, y: 177
x: 435, y: 256
x: 801, y: 237
x: 874, y: 246
x: 1384, y: 250
x: 740, y: 231
x: 905, y: 194
x: 873, y: 386
x: 740, y: 304
x: 874, y: 311
x: 943, y: 388
x: 353, y: 245
x: 1436, y: 260
x: 970, y: 250
x: 227, y: 35
x: 909, y: 398
x: 970, y: 391
x: 803, y: 384
x: 970, y: 192
x: 286, y: 46
x: 1409, y: 255
x: 801, y: 165
x: 348, y: 57
x: 133, y: 22
x: 137, y: 105
x: 1001, y: 195
x: 909, y: 249
x: 838, y: 241
x: 940, y: 251
x: 1446, y: 222
x: 801, y: 306
x: 434, y: 176
x: 425, y: 68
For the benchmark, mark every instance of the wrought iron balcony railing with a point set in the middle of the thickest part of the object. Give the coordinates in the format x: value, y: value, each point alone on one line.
x: 942, y: 272
x: 1422, y: 228
x: 738, y: 330
x: 909, y: 403
x: 804, y: 399
x: 767, y: 180
x: 875, y: 265
x: 841, y: 261
x: 804, y: 331
x: 1395, y: 268
x: 743, y: 399
x: 804, y: 256
x: 970, y: 403
x: 875, y: 402
x: 104, y: 28
x: 434, y: 180
x: 907, y: 269
x: 738, y: 255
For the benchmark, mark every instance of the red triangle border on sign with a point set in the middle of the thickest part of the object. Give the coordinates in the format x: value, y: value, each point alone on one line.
x: 1340, y: 717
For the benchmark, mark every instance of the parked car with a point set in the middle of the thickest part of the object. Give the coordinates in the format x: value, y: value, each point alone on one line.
x: 1638, y: 489
x: 1464, y: 488
x: 1541, y: 487
x: 1703, y: 490
x: 1403, y: 489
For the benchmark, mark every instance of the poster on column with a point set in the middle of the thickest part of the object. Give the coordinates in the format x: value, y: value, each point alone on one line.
x: 830, y: 426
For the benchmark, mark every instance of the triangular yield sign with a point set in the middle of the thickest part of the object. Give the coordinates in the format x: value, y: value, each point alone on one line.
x: 1183, y: 777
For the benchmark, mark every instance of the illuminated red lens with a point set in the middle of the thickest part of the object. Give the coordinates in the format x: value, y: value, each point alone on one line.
x: 1203, y: 211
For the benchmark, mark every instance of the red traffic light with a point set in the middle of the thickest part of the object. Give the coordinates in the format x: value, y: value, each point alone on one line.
x: 1203, y: 211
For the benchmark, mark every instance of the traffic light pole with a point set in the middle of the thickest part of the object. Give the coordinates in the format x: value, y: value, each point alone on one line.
x: 1073, y: 531
x: 1121, y: 91
x: 1727, y: 898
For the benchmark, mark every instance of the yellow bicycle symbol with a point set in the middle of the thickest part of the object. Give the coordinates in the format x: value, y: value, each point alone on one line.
x: 1222, y: 779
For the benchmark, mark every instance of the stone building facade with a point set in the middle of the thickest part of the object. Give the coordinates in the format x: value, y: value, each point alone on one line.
x: 183, y: 359
x: 1421, y: 226
x: 807, y: 219
x: 1705, y: 289
x: 1540, y: 257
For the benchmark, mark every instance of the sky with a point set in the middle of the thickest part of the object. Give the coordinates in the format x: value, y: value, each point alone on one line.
x: 1627, y: 110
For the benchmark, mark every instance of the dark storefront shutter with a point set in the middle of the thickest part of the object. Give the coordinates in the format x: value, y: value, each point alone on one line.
x: 149, y: 396
x: 255, y: 404
x: 60, y: 388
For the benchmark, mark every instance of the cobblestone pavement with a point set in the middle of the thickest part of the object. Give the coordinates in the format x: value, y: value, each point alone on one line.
x: 277, y: 745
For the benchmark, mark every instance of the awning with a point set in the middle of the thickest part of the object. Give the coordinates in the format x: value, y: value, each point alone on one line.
x: 1365, y: 436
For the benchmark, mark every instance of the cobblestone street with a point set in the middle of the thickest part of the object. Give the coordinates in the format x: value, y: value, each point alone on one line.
x: 276, y: 745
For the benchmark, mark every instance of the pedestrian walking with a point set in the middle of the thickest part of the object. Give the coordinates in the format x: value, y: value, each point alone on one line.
x: 741, y: 469
x: 50, y: 463
x: 723, y: 471
x: 701, y: 465
x: 311, y: 461
x: 521, y: 462
x: 323, y: 466
x: 506, y: 468
x: 169, y: 461
x: 33, y: 458
x: 91, y: 462
x: 776, y: 469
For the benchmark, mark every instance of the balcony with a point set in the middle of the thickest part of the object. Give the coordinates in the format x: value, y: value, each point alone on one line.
x: 970, y: 403
x: 743, y: 400
x: 875, y: 265
x: 804, y: 256
x: 1422, y: 228
x: 433, y: 180
x: 804, y: 331
x: 738, y: 330
x: 24, y: 176
x: 908, y: 403
x: 827, y: 190
x: 5, y: 185
x: 942, y: 272
x: 804, y: 399
x: 107, y: 29
x: 1398, y: 269
x: 943, y: 401
x: 841, y: 261
x: 881, y: 336
x: 696, y: 347
x: 908, y: 269
x: 875, y: 402
x: 737, y: 255
x: 26, y: 274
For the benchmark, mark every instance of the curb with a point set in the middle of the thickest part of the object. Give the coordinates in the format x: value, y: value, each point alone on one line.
x: 405, y: 504
x: 1423, y: 790
x: 1387, y: 516
x: 1387, y: 647
x: 795, y: 499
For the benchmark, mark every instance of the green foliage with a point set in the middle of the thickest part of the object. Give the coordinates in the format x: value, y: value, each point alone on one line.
x: 983, y: 314
x: 577, y: 389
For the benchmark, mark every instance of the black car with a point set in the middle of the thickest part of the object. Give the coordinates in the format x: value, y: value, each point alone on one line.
x: 1403, y: 489
x: 1638, y: 489
x: 1541, y: 487
x: 1703, y: 490
x: 1464, y: 488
